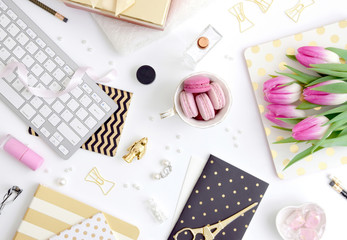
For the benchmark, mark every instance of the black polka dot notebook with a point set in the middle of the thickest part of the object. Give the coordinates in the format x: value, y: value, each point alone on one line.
x: 221, y: 205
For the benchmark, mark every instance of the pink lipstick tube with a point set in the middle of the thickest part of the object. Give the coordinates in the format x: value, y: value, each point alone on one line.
x: 21, y: 152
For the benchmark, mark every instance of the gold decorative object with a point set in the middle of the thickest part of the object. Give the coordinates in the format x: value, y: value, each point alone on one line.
x: 264, y: 5
x: 95, y: 177
x: 244, y: 22
x: 138, y: 149
x: 211, y: 231
x: 295, y: 12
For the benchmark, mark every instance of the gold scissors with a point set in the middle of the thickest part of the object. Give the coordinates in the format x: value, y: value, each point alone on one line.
x: 211, y: 231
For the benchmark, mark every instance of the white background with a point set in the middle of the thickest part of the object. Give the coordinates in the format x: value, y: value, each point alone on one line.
x: 247, y: 150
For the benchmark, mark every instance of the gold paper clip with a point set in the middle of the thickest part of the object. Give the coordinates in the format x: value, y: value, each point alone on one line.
x: 264, y: 5
x: 95, y: 177
x: 295, y: 12
x: 244, y: 22
x: 211, y: 231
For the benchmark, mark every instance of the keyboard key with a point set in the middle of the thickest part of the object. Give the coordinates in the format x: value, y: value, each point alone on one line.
x: 58, y: 74
x: 28, y: 61
x: 63, y: 150
x: 21, y: 24
x: 45, y: 111
x: 54, y: 119
x: 38, y: 121
x: 9, y: 78
x: 37, y: 70
x: 76, y: 92
x: 105, y: 106
x: 11, y: 95
x: 9, y: 43
x: 90, y: 122
x: 49, y: 65
x: 55, y: 87
x: 27, y: 94
x: 87, y: 88
x: 41, y: 43
x: 45, y: 132
x: 22, y: 39
x: 4, y: 20
x: 58, y: 137
x: 32, y: 80
x: 18, y: 85
x: 96, y: 97
x: 85, y: 100
x: 67, y: 115
x: 79, y: 127
x: 4, y: 54
x: 68, y: 133
x: 73, y: 105
x: 54, y: 141
x: 3, y: 6
x: 13, y: 29
x: 64, y: 97
x: 68, y: 70
x: 11, y: 14
x: 31, y: 47
x: 41, y: 56
x: 50, y: 51
x: 81, y: 113
x: 96, y: 111
x: 31, y: 33
x: 59, y: 61
x: 46, y: 79
x: 19, y: 52
x: 3, y: 34
x: 58, y: 106
x: 28, y: 111
x: 36, y: 102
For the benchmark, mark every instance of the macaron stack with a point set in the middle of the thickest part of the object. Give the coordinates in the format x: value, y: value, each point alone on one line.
x: 201, y: 99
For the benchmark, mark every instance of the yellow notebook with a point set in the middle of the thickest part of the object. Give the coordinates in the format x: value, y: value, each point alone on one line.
x: 51, y: 212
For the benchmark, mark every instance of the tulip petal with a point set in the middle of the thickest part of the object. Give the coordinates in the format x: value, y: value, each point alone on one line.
x: 273, y: 118
x: 310, y: 128
x: 285, y: 111
x: 308, y: 60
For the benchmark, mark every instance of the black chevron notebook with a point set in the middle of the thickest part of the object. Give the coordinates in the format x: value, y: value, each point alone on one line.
x: 105, y: 140
x: 221, y: 191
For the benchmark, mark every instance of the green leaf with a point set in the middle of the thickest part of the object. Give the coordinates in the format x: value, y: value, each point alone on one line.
x: 291, y: 120
x: 307, y: 105
x: 295, y: 77
x: 282, y: 128
x: 273, y: 76
x: 338, y: 109
x: 302, y: 74
x: 287, y: 140
x: 323, y: 79
x: 330, y: 72
x: 331, y: 66
x: 341, y: 52
x: 333, y: 88
x: 292, y: 57
x: 301, y: 155
x: 343, y: 132
x: 339, y: 141
x: 340, y: 117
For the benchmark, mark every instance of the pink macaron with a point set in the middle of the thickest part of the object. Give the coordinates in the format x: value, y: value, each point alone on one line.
x: 197, y: 84
x: 188, y: 104
x: 205, y: 106
x: 216, y: 96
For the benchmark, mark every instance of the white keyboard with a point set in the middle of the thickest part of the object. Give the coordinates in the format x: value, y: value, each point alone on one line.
x: 66, y: 122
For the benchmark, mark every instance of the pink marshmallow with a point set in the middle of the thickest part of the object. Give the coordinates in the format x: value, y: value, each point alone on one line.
x: 295, y: 220
x: 308, y: 234
x: 312, y: 219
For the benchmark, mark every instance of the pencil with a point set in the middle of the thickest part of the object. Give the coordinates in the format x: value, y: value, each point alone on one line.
x: 50, y: 10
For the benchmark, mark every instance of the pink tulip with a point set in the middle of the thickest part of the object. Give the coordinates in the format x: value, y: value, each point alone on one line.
x: 316, y: 55
x: 283, y: 111
x: 310, y: 128
x: 324, y: 98
x: 275, y: 93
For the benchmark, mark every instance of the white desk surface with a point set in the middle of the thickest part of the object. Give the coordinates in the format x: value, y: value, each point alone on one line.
x: 251, y: 153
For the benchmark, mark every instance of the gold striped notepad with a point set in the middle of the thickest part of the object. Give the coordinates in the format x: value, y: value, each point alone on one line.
x: 51, y: 212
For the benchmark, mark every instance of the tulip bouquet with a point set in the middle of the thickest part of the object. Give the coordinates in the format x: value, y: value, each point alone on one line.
x: 292, y: 95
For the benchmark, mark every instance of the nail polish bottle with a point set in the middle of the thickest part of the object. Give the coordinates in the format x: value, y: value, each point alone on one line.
x: 21, y: 152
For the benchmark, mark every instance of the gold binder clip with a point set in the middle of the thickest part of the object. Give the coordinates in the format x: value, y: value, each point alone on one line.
x: 95, y: 177
x: 264, y: 5
x: 295, y: 12
x: 244, y: 22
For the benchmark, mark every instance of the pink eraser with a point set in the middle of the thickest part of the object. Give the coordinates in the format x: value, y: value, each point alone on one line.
x: 295, y: 220
x: 22, y: 153
x: 308, y: 234
x: 312, y: 219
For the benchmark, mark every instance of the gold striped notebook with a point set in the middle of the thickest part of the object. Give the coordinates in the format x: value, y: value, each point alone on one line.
x: 51, y: 212
x: 105, y: 140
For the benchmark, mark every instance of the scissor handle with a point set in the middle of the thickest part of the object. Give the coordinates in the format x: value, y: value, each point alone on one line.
x: 194, y: 232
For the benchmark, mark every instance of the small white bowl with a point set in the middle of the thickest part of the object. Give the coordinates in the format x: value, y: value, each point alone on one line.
x: 284, y: 213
